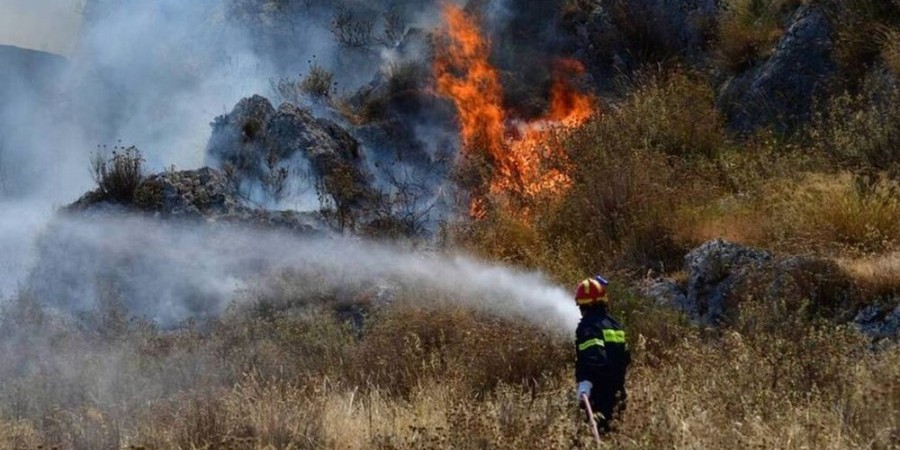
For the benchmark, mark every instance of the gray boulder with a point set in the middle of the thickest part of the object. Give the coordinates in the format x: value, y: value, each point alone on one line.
x: 714, y: 269
x: 721, y: 274
x: 264, y: 150
x: 783, y: 88
x: 623, y: 35
x: 193, y: 193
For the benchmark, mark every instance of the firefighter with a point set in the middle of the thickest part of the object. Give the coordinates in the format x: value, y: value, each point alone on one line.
x: 602, y: 356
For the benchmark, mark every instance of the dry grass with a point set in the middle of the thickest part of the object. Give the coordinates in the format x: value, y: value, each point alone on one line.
x: 450, y: 379
x: 722, y: 396
x: 858, y: 25
x: 890, y: 51
x: 877, y: 276
x: 834, y: 213
x: 862, y: 130
x: 827, y: 214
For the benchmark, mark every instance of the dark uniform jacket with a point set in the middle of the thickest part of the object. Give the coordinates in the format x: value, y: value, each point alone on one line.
x: 602, y: 358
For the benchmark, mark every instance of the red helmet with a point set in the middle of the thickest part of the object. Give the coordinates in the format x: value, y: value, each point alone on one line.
x: 591, y: 292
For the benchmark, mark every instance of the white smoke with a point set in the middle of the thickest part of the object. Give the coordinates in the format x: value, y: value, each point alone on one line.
x: 170, y: 273
x: 48, y: 25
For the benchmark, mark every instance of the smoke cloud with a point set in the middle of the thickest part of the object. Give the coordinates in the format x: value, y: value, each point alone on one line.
x: 48, y: 25
x: 170, y: 273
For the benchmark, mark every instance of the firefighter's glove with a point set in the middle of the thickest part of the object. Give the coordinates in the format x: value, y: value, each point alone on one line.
x: 584, y: 388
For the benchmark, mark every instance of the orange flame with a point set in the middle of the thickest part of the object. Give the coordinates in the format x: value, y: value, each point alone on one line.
x: 517, y: 149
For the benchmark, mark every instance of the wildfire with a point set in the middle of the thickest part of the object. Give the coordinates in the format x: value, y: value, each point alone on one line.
x: 517, y: 149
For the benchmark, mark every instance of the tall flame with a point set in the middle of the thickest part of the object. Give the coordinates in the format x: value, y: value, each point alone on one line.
x: 517, y: 149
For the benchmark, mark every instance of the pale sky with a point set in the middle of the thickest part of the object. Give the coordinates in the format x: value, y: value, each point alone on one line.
x: 49, y: 25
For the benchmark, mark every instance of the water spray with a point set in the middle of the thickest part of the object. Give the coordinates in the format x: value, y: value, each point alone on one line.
x: 170, y: 272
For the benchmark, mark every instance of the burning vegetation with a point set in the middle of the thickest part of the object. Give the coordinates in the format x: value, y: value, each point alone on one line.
x: 519, y: 151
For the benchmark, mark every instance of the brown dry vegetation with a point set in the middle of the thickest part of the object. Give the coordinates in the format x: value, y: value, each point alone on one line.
x: 656, y: 175
x: 749, y: 29
x: 434, y: 376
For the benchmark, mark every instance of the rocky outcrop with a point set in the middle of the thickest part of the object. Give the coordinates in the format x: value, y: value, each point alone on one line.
x: 261, y: 147
x: 616, y: 36
x: 715, y: 268
x: 720, y: 275
x: 783, y: 88
x: 205, y: 194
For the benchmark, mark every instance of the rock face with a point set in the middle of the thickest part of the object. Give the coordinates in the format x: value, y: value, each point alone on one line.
x: 621, y: 35
x: 263, y: 148
x: 715, y: 268
x: 205, y: 194
x: 784, y: 87
x: 197, y: 193
x: 721, y: 274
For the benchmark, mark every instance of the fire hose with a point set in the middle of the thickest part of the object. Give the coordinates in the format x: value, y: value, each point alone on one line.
x: 591, y: 420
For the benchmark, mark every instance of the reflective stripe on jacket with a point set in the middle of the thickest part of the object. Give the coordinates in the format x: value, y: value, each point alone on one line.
x: 602, y: 353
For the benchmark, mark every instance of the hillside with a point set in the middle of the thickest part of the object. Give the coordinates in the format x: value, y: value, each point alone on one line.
x: 377, y: 253
x: 38, y: 67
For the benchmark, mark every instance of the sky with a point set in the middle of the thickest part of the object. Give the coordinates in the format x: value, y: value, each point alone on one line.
x: 48, y: 25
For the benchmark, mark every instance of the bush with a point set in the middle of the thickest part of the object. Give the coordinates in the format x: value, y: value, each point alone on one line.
x: 118, y: 175
x: 631, y: 170
x: 673, y: 113
x: 641, y: 28
x: 352, y: 32
x: 862, y: 130
x: 749, y: 29
x: 859, y: 26
x: 835, y: 213
x: 317, y: 84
